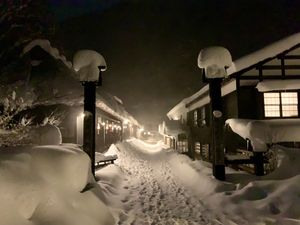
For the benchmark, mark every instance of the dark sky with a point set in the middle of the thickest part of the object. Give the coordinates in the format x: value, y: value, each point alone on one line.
x: 151, y: 46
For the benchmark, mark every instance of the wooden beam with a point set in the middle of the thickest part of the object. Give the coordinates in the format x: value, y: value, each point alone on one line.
x: 292, y: 57
x: 282, y: 68
x: 269, y: 77
x: 260, y: 73
x: 278, y: 67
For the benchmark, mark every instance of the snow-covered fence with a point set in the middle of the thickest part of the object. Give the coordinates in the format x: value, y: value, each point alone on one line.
x: 262, y: 134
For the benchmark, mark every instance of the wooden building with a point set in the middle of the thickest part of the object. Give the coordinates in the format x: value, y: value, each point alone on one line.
x: 52, y: 87
x: 172, y: 132
x: 261, y: 86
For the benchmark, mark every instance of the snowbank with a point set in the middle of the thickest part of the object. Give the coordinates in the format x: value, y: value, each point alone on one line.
x: 49, y: 185
x: 271, y: 199
x: 158, y: 179
x: 46, y: 135
x: 263, y: 132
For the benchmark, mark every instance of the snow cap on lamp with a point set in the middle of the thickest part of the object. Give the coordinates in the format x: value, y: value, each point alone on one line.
x: 87, y: 63
x: 215, y: 60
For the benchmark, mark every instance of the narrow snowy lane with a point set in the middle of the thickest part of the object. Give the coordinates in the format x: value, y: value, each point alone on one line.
x: 153, y: 194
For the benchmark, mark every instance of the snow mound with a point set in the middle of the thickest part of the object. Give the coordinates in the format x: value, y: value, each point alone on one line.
x: 263, y: 132
x: 87, y: 63
x: 46, y: 135
x: 49, y: 185
x: 169, y: 181
x: 272, y: 199
x: 214, y: 60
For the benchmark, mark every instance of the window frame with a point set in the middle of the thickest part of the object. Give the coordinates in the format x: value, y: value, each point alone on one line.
x: 281, y: 105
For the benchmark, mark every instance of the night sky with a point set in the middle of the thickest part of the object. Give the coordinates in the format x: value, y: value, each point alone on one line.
x: 151, y: 46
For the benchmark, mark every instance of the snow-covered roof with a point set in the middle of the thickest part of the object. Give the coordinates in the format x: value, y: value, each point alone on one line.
x: 72, y: 93
x: 271, y: 85
x: 46, y: 46
x: 201, y: 98
x: 267, y: 52
x: 170, y: 128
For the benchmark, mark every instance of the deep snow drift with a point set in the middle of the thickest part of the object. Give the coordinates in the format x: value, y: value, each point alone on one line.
x: 152, y: 185
x: 49, y: 185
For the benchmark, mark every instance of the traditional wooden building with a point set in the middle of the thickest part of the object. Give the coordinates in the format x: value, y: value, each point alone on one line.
x: 52, y: 87
x: 171, y: 132
x: 261, y: 86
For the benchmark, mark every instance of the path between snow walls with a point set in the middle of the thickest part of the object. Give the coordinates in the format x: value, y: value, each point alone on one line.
x: 151, y: 185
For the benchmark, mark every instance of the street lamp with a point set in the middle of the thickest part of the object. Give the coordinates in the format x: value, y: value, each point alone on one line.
x: 214, y: 61
x: 89, y: 64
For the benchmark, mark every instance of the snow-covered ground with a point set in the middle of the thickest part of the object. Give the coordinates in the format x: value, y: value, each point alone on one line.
x: 49, y: 185
x: 148, y: 185
x: 152, y: 185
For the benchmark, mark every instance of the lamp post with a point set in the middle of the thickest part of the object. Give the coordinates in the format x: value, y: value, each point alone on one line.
x: 213, y: 61
x: 89, y: 65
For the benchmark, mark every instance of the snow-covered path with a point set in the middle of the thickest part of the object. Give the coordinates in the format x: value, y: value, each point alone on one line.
x: 152, y: 193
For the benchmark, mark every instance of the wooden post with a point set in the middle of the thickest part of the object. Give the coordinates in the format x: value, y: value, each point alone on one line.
x: 89, y: 121
x: 258, y: 163
x: 217, y: 128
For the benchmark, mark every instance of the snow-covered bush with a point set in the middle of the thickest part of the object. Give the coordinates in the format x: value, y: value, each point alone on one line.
x: 13, y: 131
x: 272, y: 157
x: 19, y: 130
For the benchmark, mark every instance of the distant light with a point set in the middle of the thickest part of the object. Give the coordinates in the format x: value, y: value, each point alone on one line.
x: 98, y: 126
x: 149, y: 133
x: 103, y: 123
x: 82, y: 115
x: 125, y: 122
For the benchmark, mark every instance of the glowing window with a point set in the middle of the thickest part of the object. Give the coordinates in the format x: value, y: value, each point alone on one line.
x: 289, y: 101
x: 281, y: 104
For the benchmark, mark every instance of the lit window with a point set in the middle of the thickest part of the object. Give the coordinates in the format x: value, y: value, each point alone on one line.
x: 289, y: 101
x: 281, y: 104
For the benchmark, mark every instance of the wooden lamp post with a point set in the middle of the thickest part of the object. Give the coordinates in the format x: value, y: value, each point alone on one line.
x: 89, y: 65
x: 214, y: 61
